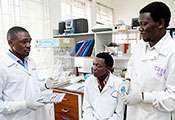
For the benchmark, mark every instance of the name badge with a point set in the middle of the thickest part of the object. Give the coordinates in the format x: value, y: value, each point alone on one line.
x: 159, y: 71
x: 114, y: 94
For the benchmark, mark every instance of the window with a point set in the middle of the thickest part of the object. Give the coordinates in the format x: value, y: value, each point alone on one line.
x: 105, y: 15
x: 72, y: 9
x: 20, y: 13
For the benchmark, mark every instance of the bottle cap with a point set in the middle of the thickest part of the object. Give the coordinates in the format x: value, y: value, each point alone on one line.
x: 123, y: 89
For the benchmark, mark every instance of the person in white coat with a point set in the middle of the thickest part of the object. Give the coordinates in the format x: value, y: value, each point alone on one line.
x: 19, y: 83
x: 151, y: 69
x: 101, y: 97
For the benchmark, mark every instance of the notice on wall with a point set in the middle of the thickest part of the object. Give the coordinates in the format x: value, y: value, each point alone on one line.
x: 66, y: 40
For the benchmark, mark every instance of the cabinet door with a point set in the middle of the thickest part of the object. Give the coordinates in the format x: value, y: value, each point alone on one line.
x: 65, y: 112
x: 68, y: 108
x: 69, y: 100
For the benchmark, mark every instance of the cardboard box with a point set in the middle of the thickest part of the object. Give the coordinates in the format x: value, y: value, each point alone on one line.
x: 66, y: 42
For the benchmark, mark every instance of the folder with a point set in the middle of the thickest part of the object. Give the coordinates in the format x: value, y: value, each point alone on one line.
x: 77, y: 47
x: 80, y: 49
x: 86, y: 45
x: 89, y: 49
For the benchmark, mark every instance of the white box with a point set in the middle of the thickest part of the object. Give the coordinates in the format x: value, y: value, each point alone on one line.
x: 84, y: 64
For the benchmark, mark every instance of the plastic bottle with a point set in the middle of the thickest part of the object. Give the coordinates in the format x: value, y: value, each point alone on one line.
x: 123, y: 91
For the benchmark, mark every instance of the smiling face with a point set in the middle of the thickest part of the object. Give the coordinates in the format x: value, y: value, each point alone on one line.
x: 20, y: 44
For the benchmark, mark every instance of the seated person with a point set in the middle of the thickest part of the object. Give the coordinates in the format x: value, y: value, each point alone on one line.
x: 101, y: 97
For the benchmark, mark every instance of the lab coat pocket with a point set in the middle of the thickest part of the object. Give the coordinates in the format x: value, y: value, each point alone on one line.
x: 159, y: 83
x: 156, y: 79
x: 14, y: 79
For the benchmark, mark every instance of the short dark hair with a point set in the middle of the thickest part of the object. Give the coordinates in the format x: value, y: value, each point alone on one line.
x: 107, y: 57
x: 158, y: 10
x: 14, y: 30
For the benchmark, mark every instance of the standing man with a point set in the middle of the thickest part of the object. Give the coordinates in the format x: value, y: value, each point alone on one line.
x: 150, y: 77
x: 101, y: 96
x: 19, y: 84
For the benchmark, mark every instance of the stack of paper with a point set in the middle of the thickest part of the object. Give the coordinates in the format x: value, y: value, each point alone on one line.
x: 75, y: 86
x: 51, y: 98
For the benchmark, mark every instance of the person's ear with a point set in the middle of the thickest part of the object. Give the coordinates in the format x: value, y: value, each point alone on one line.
x: 161, y: 23
x: 10, y: 42
x: 111, y: 69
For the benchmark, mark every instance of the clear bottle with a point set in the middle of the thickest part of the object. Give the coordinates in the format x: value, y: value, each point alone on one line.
x: 123, y: 91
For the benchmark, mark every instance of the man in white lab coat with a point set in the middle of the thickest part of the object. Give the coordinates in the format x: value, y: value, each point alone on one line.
x: 151, y: 69
x: 101, y: 98
x: 19, y: 84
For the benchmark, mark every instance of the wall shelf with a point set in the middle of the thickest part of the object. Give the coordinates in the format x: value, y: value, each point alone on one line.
x: 73, y: 35
x: 101, y: 39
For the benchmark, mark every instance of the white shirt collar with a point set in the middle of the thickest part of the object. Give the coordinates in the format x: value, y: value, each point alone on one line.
x: 158, y: 46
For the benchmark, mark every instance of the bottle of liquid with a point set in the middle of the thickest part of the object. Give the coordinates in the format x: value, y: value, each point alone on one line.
x: 123, y: 91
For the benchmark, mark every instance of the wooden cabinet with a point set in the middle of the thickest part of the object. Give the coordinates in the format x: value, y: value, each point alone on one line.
x: 71, y: 106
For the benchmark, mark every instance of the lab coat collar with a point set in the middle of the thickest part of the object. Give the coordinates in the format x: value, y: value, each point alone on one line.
x: 9, y: 61
x: 96, y: 85
x: 108, y: 84
x: 161, y: 45
x: 159, y: 48
x: 18, y: 60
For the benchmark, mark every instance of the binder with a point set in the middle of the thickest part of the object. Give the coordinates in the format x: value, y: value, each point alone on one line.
x: 89, y: 49
x: 86, y: 45
x: 77, y: 47
x: 80, y: 49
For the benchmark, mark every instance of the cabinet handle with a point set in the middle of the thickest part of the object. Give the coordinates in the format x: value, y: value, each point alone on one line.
x: 64, y: 118
x: 64, y: 110
x: 65, y: 99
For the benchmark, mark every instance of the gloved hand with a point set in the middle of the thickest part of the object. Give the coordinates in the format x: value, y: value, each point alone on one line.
x: 125, y: 84
x: 132, y: 99
x: 52, y: 83
x: 33, y: 104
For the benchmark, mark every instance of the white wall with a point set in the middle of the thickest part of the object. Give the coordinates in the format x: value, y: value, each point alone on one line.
x: 127, y: 9
x: 123, y: 10
x: 108, y: 3
x: 55, y: 11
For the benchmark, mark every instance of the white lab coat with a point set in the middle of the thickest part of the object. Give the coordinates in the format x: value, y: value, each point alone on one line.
x: 18, y: 84
x: 173, y: 115
x: 153, y: 72
x: 106, y: 105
